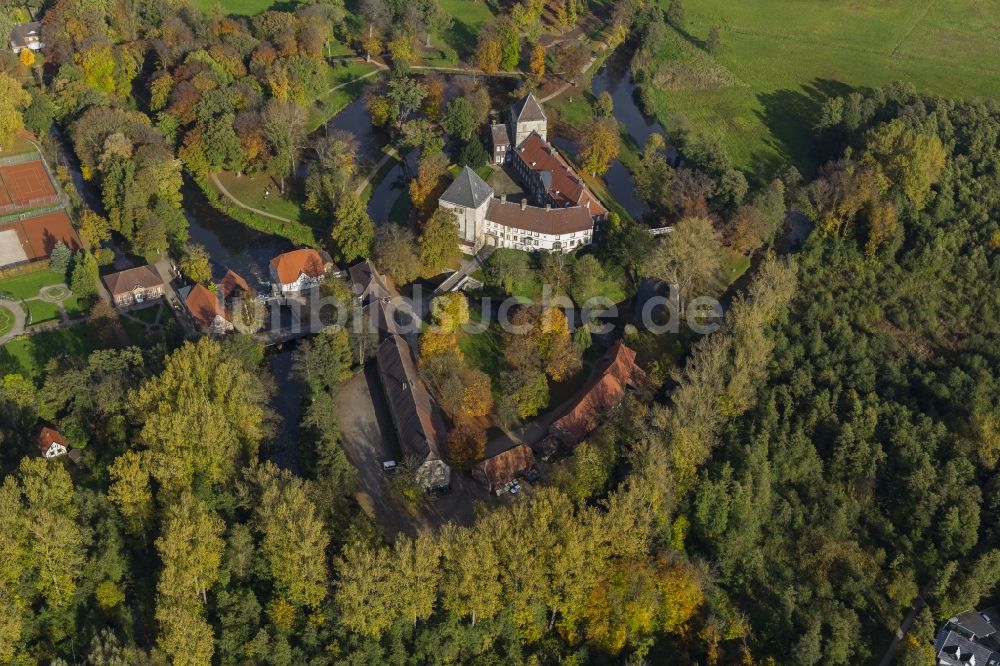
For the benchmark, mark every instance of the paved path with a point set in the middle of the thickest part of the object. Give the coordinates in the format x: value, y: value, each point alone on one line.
x: 218, y: 184
x: 18, y: 327
x: 389, y: 154
x: 904, y: 626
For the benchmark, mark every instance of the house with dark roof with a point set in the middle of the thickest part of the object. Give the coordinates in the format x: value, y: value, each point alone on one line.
x: 416, y: 417
x: 298, y: 270
x: 468, y: 197
x: 969, y: 639
x: 26, y: 36
x: 232, y: 286
x: 135, y: 285
x: 51, y: 443
x: 500, y: 139
x: 527, y: 116
x: 499, y: 470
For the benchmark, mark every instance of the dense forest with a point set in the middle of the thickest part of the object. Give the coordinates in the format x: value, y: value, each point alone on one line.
x: 782, y: 495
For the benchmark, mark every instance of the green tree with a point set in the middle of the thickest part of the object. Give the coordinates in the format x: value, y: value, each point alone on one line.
x: 294, y: 536
x: 195, y: 264
x: 60, y: 258
x: 85, y: 275
x: 460, y: 119
x: 689, y: 257
x: 353, y: 230
x: 130, y: 490
x: 366, y: 593
x: 604, y: 106
x: 200, y: 416
x: 587, y: 278
x: 396, y: 249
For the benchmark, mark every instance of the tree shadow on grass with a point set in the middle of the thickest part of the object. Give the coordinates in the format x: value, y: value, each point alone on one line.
x: 791, y: 116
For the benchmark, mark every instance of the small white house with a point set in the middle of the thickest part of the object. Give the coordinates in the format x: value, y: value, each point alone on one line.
x: 51, y: 444
x: 26, y: 36
x: 298, y: 270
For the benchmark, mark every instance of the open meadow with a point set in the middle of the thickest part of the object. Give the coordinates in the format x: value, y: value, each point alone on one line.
x: 786, y: 56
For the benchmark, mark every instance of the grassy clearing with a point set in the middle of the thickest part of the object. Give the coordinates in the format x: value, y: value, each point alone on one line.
x: 27, y: 285
x: 483, y: 351
x: 235, y: 7
x: 19, y: 146
x: 786, y: 67
x: 459, y: 41
x: 333, y: 101
x: 28, y: 355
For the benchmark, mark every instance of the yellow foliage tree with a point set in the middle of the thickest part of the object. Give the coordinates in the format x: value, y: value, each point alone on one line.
x: 13, y: 99
x: 601, y: 145
x: 538, y: 62
x: 27, y: 57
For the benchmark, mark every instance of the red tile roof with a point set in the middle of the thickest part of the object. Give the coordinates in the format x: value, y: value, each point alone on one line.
x: 125, y: 281
x: 601, y: 395
x: 505, y: 466
x: 204, y: 305
x: 553, y: 221
x: 231, y: 282
x: 290, y: 265
x: 47, y: 437
x: 565, y: 187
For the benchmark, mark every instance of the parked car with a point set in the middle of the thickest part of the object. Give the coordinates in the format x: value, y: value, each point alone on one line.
x: 389, y: 466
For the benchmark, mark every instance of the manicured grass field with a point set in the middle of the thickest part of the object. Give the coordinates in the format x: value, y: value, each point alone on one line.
x: 235, y: 7
x: 788, y: 56
x: 42, y: 311
x: 251, y: 191
x: 27, y: 285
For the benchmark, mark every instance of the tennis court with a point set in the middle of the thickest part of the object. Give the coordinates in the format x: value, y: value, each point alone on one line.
x: 27, y: 183
x: 44, y: 231
x: 12, y: 247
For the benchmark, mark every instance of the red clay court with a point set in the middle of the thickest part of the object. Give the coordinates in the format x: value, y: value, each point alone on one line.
x: 33, y: 239
x: 26, y: 184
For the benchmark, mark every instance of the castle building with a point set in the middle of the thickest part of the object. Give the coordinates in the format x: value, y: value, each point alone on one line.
x: 564, y: 209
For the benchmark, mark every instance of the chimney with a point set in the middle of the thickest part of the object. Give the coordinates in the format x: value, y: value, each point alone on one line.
x: 524, y: 204
x: 503, y: 198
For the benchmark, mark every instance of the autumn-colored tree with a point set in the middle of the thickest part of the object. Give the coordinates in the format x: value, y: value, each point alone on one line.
x: 27, y: 57
x: 489, y: 52
x: 433, y: 343
x: 450, y: 311
x: 439, y: 242
x: 601, y: 144
x: 294, y: 535
x: 538, y: 63
x: 195, y: 264
x: 466, y: 444
x: 13, y: 99
x: 471, y: 569
x: 93, y: 228
x: 201, y: 415
x: 539, y: 339
x: 417, y: 570
x: 689, y: 258
x: 366, y: 592
x: 429, y: 181
x: 477, y: 394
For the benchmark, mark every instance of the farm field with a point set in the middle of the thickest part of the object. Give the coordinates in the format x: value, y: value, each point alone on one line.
x: 784, y: 69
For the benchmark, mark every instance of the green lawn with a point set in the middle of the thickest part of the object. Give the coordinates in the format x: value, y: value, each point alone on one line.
x: 235, y: 7
x: 331, y: 102
x: 27, y: 285
x: 19, y: 146
x: 484, y: 351
x: 42, y: 311
x: 788, y: 56
x: 28, y: 355
x: 459, y: 41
